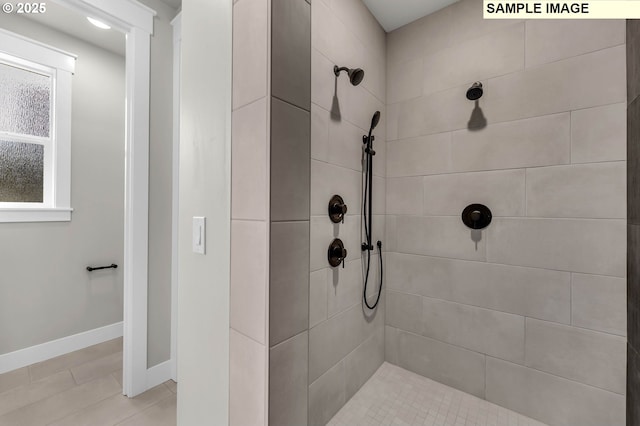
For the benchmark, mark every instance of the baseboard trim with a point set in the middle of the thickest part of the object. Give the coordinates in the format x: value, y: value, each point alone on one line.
x: 159, y: 374
x: 27, y: 356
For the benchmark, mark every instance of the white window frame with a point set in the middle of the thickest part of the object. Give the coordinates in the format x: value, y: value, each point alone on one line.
x: 60, y: 66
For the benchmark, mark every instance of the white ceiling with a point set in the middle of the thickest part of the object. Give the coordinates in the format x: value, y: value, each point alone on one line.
x: 70, y: 22
x: 396, y: 13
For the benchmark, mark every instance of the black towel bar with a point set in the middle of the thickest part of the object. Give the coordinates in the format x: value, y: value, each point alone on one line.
x: 112, y: 266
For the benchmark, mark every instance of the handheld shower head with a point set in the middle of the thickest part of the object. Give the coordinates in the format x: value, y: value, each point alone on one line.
x: 375, y: 120
x: 475, y: 91
x: 356, y: 75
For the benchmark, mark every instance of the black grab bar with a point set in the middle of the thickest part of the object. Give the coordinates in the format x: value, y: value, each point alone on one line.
x: 112, y: 266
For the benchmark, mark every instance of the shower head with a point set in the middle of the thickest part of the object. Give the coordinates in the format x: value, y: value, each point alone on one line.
x: 355, y: 74
x: 475, y: 91
x: 375, y: 120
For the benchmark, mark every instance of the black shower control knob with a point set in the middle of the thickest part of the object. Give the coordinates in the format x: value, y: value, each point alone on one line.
x: 337, y: 209
x: 476, y: 216
x: 336, y: 253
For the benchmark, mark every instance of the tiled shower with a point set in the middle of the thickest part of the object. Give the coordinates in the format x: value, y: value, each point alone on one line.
x: 529, y: 313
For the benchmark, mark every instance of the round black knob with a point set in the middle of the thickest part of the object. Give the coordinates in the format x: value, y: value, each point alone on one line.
x: 336, y: 253
x: 337, y: 209
x: 476, y: 216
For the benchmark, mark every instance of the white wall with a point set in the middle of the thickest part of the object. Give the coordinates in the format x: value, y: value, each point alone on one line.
x: 45, y: 291
x: 532, y: 316
x: 205, y: 142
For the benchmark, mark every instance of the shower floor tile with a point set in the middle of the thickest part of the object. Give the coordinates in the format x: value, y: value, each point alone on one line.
x: 395, y: 396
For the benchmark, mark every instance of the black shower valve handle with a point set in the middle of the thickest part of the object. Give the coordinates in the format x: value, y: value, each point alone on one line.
x: 337, y: 209
x: 337, y: 253
x: 476, y: 216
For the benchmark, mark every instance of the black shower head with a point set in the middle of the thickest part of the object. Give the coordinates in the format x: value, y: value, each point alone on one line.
x: 356, y: 75
x: 475, y: 91
x: 375, y: 120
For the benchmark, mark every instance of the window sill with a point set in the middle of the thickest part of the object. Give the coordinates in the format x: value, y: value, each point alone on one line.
x: 9, y: 215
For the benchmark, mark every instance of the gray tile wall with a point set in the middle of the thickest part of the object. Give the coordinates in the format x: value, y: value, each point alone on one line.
x: 529, y: 313
x: 289, y: 205
x: 346, y: 345
x: 633, y: 230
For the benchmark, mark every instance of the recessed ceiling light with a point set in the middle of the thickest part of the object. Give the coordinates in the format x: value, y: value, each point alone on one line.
x: 98, y: 24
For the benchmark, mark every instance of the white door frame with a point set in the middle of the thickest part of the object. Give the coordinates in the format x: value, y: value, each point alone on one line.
x: 136, y: 21
x: 177, y: 43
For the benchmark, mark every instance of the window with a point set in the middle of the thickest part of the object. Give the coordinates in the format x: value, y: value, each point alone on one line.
x: 35, y: 131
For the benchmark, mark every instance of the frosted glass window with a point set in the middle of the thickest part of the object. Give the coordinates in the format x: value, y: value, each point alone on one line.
x: 21, y: 172
x: 25, y: 101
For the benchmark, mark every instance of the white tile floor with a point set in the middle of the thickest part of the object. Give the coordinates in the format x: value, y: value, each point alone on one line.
x: 394, y: 396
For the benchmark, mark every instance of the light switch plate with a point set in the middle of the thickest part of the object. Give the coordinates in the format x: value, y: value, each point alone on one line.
x: 199, y: 235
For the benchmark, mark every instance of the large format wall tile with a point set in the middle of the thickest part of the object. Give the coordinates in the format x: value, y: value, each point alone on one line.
x: 250, y: 20
x: 448, y: 364
x: 589, y: 357
x: 448, y: 194
x: 552, y: 40
x: 481, y: 330
x: 344, y: 287
x: 328, y: 180
x: 323, y: 231
x: 404, y: 311
x: 540, y: 141
x: 530, y: 292
x: 291, y: 52
x: 580, y: 245
x: 550, y: 398
x: 317, y: 297
x: 559, y: 86
x: 332, y: 340
x: 289, y: 280
x: 327, y: 395
x: 579, y: 190
x: 363, y: 362
x: 247, y: 382
x: 438, y: 112
x: 552, y: 252
x: 249, y: 162
x: 599, y: 134
x: 288, y: 370
x: 319, y: 133
x: 405, y: 80
x: 425, y: 155
x: 325, y: 87
x: 248, y: 296
x: 331, y: 36
x: 359, y: 106
x: 439, y: 236
x: 345, y: 146
x: 599, y: 303
x: 404, y: 196
x: 497, y: 53
x: 290, y: 162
